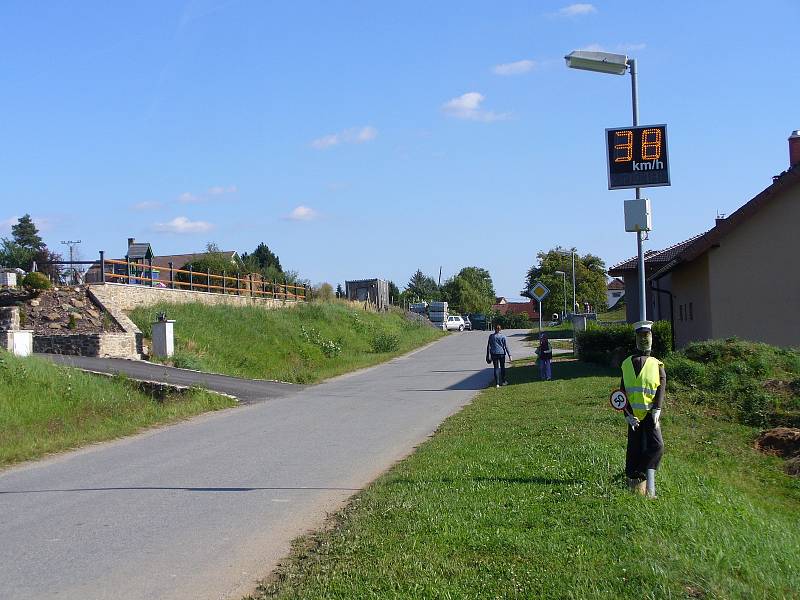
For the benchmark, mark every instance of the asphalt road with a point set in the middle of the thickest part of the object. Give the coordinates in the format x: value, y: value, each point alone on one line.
x: 202, y: 509
x: 246, y: 390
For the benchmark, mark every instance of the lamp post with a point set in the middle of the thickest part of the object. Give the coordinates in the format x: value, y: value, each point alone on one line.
x: 572, y: 252
x: 617, y: 64
x: 564, y: 275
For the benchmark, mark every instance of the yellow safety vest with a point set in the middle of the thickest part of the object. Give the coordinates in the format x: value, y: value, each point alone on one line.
x: 642, y: 389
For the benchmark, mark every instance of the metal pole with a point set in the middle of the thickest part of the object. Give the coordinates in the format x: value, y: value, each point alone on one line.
x: 639, y: 234
x: 540, y: 316
x: 564, y: 276
x: 573, y: 281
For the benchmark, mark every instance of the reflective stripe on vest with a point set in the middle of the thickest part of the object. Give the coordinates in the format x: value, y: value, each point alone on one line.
x: 641, y: 389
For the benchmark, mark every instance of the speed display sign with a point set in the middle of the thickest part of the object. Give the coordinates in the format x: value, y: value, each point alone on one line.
x: 637, y: 157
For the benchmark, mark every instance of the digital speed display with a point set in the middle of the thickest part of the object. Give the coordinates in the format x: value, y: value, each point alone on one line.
x: 637, y: 157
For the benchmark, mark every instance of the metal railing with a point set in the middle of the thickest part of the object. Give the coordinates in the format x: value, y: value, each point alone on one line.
x: 247, y: 284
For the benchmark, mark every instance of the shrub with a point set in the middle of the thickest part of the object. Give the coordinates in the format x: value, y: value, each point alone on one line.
x: 684, y: 370
x: 324, y: 292
x: 72, y: 323
x: 512, y: 321
x: 609, y: 345
x: 385, y: 342
x: 36, y: 282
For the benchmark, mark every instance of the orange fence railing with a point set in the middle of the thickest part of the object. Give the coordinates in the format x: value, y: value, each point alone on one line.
x: 248, y: 284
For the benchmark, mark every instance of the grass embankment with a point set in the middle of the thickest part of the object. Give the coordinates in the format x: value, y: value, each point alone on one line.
x: 522, y: 495
x: 46, y: 408
x: 303, y: 344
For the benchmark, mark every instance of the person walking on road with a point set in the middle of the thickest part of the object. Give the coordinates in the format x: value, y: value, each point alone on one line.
x: 545, y: 354
x: 496, y: 351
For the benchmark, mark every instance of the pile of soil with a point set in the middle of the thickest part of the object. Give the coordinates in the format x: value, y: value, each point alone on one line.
x: 782, y: 441
x: 65, y: 311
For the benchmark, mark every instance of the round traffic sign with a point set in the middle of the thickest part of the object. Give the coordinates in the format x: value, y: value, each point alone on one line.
x: 618, y: 400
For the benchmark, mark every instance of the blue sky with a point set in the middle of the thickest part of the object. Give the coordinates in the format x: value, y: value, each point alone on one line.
x: 362, y: 139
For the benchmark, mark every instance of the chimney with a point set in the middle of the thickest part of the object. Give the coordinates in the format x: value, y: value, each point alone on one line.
x: 794, y: 148
x: 131, y: 242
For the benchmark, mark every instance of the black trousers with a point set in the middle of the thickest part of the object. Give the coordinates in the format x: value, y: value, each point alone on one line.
x: 645, y: 448
x: 499, y: 363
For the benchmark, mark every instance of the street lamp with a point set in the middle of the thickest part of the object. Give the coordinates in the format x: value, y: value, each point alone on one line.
x: 564, y: 275
x: 572, y: 252
x: 617, y: 64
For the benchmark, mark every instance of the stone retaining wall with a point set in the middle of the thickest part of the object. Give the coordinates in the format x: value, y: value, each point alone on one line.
x: 127, y: 297
x: 114, y: 345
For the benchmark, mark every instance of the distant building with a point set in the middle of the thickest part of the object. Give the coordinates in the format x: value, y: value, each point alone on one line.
x: 737, y: 279
x: 373, y: 291
x: 528, y: 307
x: 615, y: 291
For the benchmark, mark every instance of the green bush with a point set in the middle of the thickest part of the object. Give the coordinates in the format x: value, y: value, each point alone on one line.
x: 684, y: 370
x: 37, y: 282
x: 385, y: 342
x: 753, y: 383
x: 609, y: 345
x: 512, y: 321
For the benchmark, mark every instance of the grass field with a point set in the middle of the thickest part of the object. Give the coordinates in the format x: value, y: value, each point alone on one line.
x: 304, y: 344
x: 521, y: 495
x: 46, y: 408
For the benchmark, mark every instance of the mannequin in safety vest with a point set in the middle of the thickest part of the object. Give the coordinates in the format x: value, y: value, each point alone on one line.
x: 644, y: 382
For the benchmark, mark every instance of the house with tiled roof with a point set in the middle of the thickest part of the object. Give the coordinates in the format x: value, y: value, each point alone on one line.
x: 740, y: 278
x: 615, y: 291
x: 658, y: 308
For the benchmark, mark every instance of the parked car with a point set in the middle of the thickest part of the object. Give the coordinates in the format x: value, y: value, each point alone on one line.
x: 455, y: 323
x: 479, y: 322
x: 467, y: 323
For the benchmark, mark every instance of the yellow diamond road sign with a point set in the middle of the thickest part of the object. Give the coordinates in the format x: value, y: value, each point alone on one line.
x: 539, y: 291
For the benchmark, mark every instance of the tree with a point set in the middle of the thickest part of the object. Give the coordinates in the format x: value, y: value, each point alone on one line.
x: 422, y: 287
x: 339, y: 291
x: 590, y: 280
x: 27, y: 247
x: 324, y: 292
x: 26, y: 234
x: 394, y: 292
x: 471, y: 291
x: 263, y: 259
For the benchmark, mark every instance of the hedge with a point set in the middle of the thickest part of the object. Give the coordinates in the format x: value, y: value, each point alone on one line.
x: 611, y: 344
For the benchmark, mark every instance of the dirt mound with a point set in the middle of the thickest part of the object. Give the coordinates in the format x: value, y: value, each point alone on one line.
x: 782, y: 441
x: 64, y: 311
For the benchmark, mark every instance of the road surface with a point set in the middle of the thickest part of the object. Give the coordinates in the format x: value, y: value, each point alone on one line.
x: 204, y: 508
x: 246, y: 390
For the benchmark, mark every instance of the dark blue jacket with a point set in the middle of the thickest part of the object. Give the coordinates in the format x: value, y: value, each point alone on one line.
x: 497, y: 345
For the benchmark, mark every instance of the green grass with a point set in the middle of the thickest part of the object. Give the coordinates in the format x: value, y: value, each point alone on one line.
x: 617, y: 314
x: 521, y: 495
x: 46, y: 408
x: 304, y: 344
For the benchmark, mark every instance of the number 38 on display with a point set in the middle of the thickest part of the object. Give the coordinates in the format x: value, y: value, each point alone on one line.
x: 637, y: 157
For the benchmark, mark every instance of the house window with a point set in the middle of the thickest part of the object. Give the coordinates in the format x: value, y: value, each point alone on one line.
x: 691, y: 312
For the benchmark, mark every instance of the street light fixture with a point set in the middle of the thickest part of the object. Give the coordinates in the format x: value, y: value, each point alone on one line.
x: 617, y: 64
x: 564, y: 275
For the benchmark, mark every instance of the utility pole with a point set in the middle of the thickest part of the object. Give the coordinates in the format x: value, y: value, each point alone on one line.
x: 72, y: 246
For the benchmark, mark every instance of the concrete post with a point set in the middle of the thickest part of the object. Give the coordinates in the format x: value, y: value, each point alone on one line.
x: 163, y: 339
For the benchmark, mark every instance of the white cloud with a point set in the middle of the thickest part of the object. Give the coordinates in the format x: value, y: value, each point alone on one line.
x: 5, y: 224
x: 354, y: 135
x: 468, y: 106
x: 182, y: 225
x: 577, y: 10
x: 188, y: 198
x: 302, y: 213
x: 220, y: 190
x: 619, y: 48
x: 514, y: 68
x: 147, y: 205
x: 594, y: 48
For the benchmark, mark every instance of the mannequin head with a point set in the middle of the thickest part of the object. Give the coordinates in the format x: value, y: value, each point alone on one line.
x: 644, y: 337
